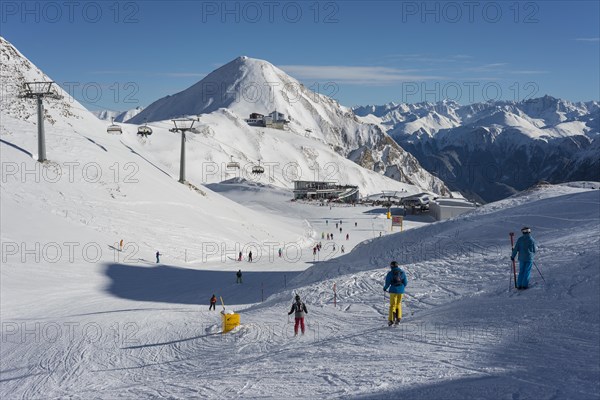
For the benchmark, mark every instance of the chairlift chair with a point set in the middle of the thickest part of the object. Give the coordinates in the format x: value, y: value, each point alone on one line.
x: 114, y: 128
x: 233, y: 164
x: 144, y: 130
x: 258, y: 169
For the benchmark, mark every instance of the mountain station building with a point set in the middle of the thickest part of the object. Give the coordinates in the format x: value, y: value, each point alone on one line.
x: 316, y: 190
x: 275, y: 120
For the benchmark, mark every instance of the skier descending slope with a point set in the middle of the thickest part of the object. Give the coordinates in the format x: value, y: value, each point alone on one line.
x: 299, y: 308
x: 396, y: 281
x: 526, y: 248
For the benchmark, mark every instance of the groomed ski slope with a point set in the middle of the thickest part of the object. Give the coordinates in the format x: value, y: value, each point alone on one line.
x: 464, y: 335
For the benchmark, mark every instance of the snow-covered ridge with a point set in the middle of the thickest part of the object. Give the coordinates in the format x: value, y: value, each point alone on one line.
x: 538, y: 118
x: 117, y: 116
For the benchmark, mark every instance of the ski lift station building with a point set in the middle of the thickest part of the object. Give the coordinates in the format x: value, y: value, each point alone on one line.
x: 444, y: 208
x: 316, y: 190
x: 275, y: 120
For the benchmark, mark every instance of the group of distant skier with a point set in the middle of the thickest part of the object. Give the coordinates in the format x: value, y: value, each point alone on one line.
x: 396, y: 280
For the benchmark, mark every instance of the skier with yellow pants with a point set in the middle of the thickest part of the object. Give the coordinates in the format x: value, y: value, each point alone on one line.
x: 395, y: 281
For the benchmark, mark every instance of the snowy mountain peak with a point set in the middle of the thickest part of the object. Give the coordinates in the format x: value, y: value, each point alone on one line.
x: 244, y: 85
x: 247, y: 86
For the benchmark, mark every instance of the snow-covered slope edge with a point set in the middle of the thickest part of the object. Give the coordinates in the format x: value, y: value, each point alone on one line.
x: 466, y: 332
x: 98, y: 181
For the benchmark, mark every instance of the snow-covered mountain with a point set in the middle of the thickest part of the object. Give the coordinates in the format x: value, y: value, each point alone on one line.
x: 90, y: 175
x: 118, y: 116
x: 490, y: 150
x: 246, y: 85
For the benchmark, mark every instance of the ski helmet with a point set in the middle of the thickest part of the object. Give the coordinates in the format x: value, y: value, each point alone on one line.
x: 525, y: 229
x: 394, y: 264
x: 297, y: 297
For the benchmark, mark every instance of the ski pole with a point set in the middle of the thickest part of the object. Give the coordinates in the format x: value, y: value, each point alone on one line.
x: 385, y: 303
x: 540, y: 272
x: 509, y: 276
x: 512, y: 247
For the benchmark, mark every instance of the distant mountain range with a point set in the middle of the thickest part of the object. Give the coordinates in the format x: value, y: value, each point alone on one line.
x: 491, y: 150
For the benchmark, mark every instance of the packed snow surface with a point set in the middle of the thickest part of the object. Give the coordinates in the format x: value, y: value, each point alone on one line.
x: 116, y: 329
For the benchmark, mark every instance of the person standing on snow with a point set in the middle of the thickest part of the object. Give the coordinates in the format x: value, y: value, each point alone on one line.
x: 213, y: 303
x: 240, y: 256
x: 526, y: 248
x: 239, y: 276
x: 396, y: 281
x: 280, y: 252
x: 250, y: 256
x: 300, y: 309
x: 158, y: 256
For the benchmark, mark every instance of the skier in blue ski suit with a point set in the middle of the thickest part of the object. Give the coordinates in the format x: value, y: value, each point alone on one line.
x: 526, y: 248
x: 395, y: 281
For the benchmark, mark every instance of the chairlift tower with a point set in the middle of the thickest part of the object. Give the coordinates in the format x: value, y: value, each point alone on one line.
x: 39, y: 90
x: 182, y: 125
x: 389, y: 196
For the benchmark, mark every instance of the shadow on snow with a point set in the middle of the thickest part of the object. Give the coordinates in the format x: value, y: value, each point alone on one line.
x: 170, y: 284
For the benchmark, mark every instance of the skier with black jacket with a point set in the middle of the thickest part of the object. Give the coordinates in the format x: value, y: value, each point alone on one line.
x: 299, y: 308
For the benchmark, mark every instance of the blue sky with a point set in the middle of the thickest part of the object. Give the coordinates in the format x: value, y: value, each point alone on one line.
x: 118, y: 55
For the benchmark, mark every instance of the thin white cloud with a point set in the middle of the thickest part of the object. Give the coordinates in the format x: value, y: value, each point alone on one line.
x: 590, y: 39
x: 425, y: 58
x: 354, y: 74
x: 528, y: 72
x: 114, y: 72
x: 147, y: 73
x: 486, y: 67
x: 181, y: 74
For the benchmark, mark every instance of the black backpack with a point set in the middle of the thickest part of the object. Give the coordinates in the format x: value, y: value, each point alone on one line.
x: 397, y: 277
